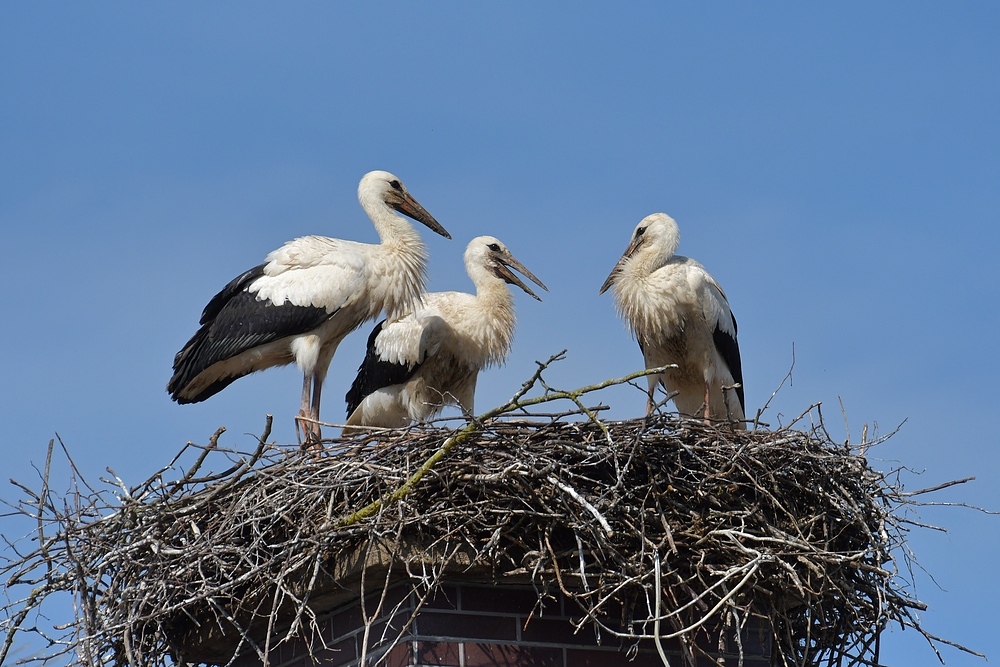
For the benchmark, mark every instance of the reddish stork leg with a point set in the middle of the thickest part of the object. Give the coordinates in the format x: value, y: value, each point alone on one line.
x: 649, y: 401
x: 304, y: 412
x: 708, y: 412
x: 315, y: 430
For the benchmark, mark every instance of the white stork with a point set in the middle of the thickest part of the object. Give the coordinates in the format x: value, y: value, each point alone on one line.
x: 430, y: 358
x: 679, y: 315
x: 306, y: 297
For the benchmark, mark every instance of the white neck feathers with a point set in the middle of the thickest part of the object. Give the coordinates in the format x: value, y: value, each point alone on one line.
x: 494, y: 322
x: 399, y: 263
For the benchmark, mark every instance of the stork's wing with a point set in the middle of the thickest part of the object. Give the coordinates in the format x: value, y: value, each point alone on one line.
x: 314, y: 271
x: 719, y: 315
x: 235, y: 286
x: 729, y: 350
x: 374, y: 373
x: 242, y: 324
x: 259, y: 307
x: 413, y: 338
x: 395, y: 351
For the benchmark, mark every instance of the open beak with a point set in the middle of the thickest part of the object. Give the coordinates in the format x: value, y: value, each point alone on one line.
x: 632, y: 247
x: 506, y: 262
x: 409, y: 206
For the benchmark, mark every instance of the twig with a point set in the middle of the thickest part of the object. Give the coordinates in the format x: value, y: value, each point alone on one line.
x: 788, y: 377
x: 583, y: 501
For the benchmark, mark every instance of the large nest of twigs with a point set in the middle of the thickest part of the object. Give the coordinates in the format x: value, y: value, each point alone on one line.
x: 701, y: 525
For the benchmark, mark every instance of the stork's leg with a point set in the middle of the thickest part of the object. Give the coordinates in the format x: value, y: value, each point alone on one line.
x: 317, y: 433
x: 708, y: 413
x: 649, y: 400
x: 304, y: 413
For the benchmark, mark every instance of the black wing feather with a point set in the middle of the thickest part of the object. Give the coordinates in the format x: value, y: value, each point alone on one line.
x: 375, y: 373
x: 233, y: 322
x: 235, y: 286
x: 729, y: 350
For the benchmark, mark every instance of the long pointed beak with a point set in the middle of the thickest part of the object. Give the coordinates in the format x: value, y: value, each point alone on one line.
x: 506, y: 263
x: 632, y: 247
x: 409, y: 206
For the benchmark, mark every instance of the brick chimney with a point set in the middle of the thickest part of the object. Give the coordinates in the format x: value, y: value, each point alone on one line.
x: 479, y: 625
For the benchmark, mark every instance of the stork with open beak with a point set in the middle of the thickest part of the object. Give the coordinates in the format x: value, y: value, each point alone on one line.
x: 431, y: 357
x: 679, y: 315
x: 305, y: 298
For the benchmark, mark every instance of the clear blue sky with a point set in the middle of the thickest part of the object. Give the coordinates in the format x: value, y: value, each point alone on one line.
x: 836, y: 168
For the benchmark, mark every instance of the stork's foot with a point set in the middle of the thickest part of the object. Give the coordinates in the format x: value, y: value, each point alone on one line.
x: 314, y: 444
x: 308, y: 432
x: 315, y: 429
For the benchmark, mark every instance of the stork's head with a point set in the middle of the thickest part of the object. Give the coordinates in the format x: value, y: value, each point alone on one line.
x: 381, y: 186
x: 487, y: 252
x: 657, y: 237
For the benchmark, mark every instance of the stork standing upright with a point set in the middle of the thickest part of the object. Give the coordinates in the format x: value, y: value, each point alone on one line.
x: 431, y: 357
x: 306, y: 297
x: 679, y: 315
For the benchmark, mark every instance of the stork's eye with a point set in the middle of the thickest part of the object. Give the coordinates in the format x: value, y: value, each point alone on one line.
x: 395, y: 185
x: 639, y: 232
x: 495, y: 247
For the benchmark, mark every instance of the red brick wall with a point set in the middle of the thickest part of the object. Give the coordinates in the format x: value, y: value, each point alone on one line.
x: 480, y: 626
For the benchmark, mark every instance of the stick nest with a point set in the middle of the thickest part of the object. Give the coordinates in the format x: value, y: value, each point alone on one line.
x: 655, y: 527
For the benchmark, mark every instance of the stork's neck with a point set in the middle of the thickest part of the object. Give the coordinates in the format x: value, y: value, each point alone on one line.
x: 493, y: 292
x: 646, y: 297
x: 389, y: 225
x: 495, y: 315
x: 642, y: 265
x: 399, y: 262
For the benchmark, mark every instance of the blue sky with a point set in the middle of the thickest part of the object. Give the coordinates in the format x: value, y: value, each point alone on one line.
x: 836, y: 168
